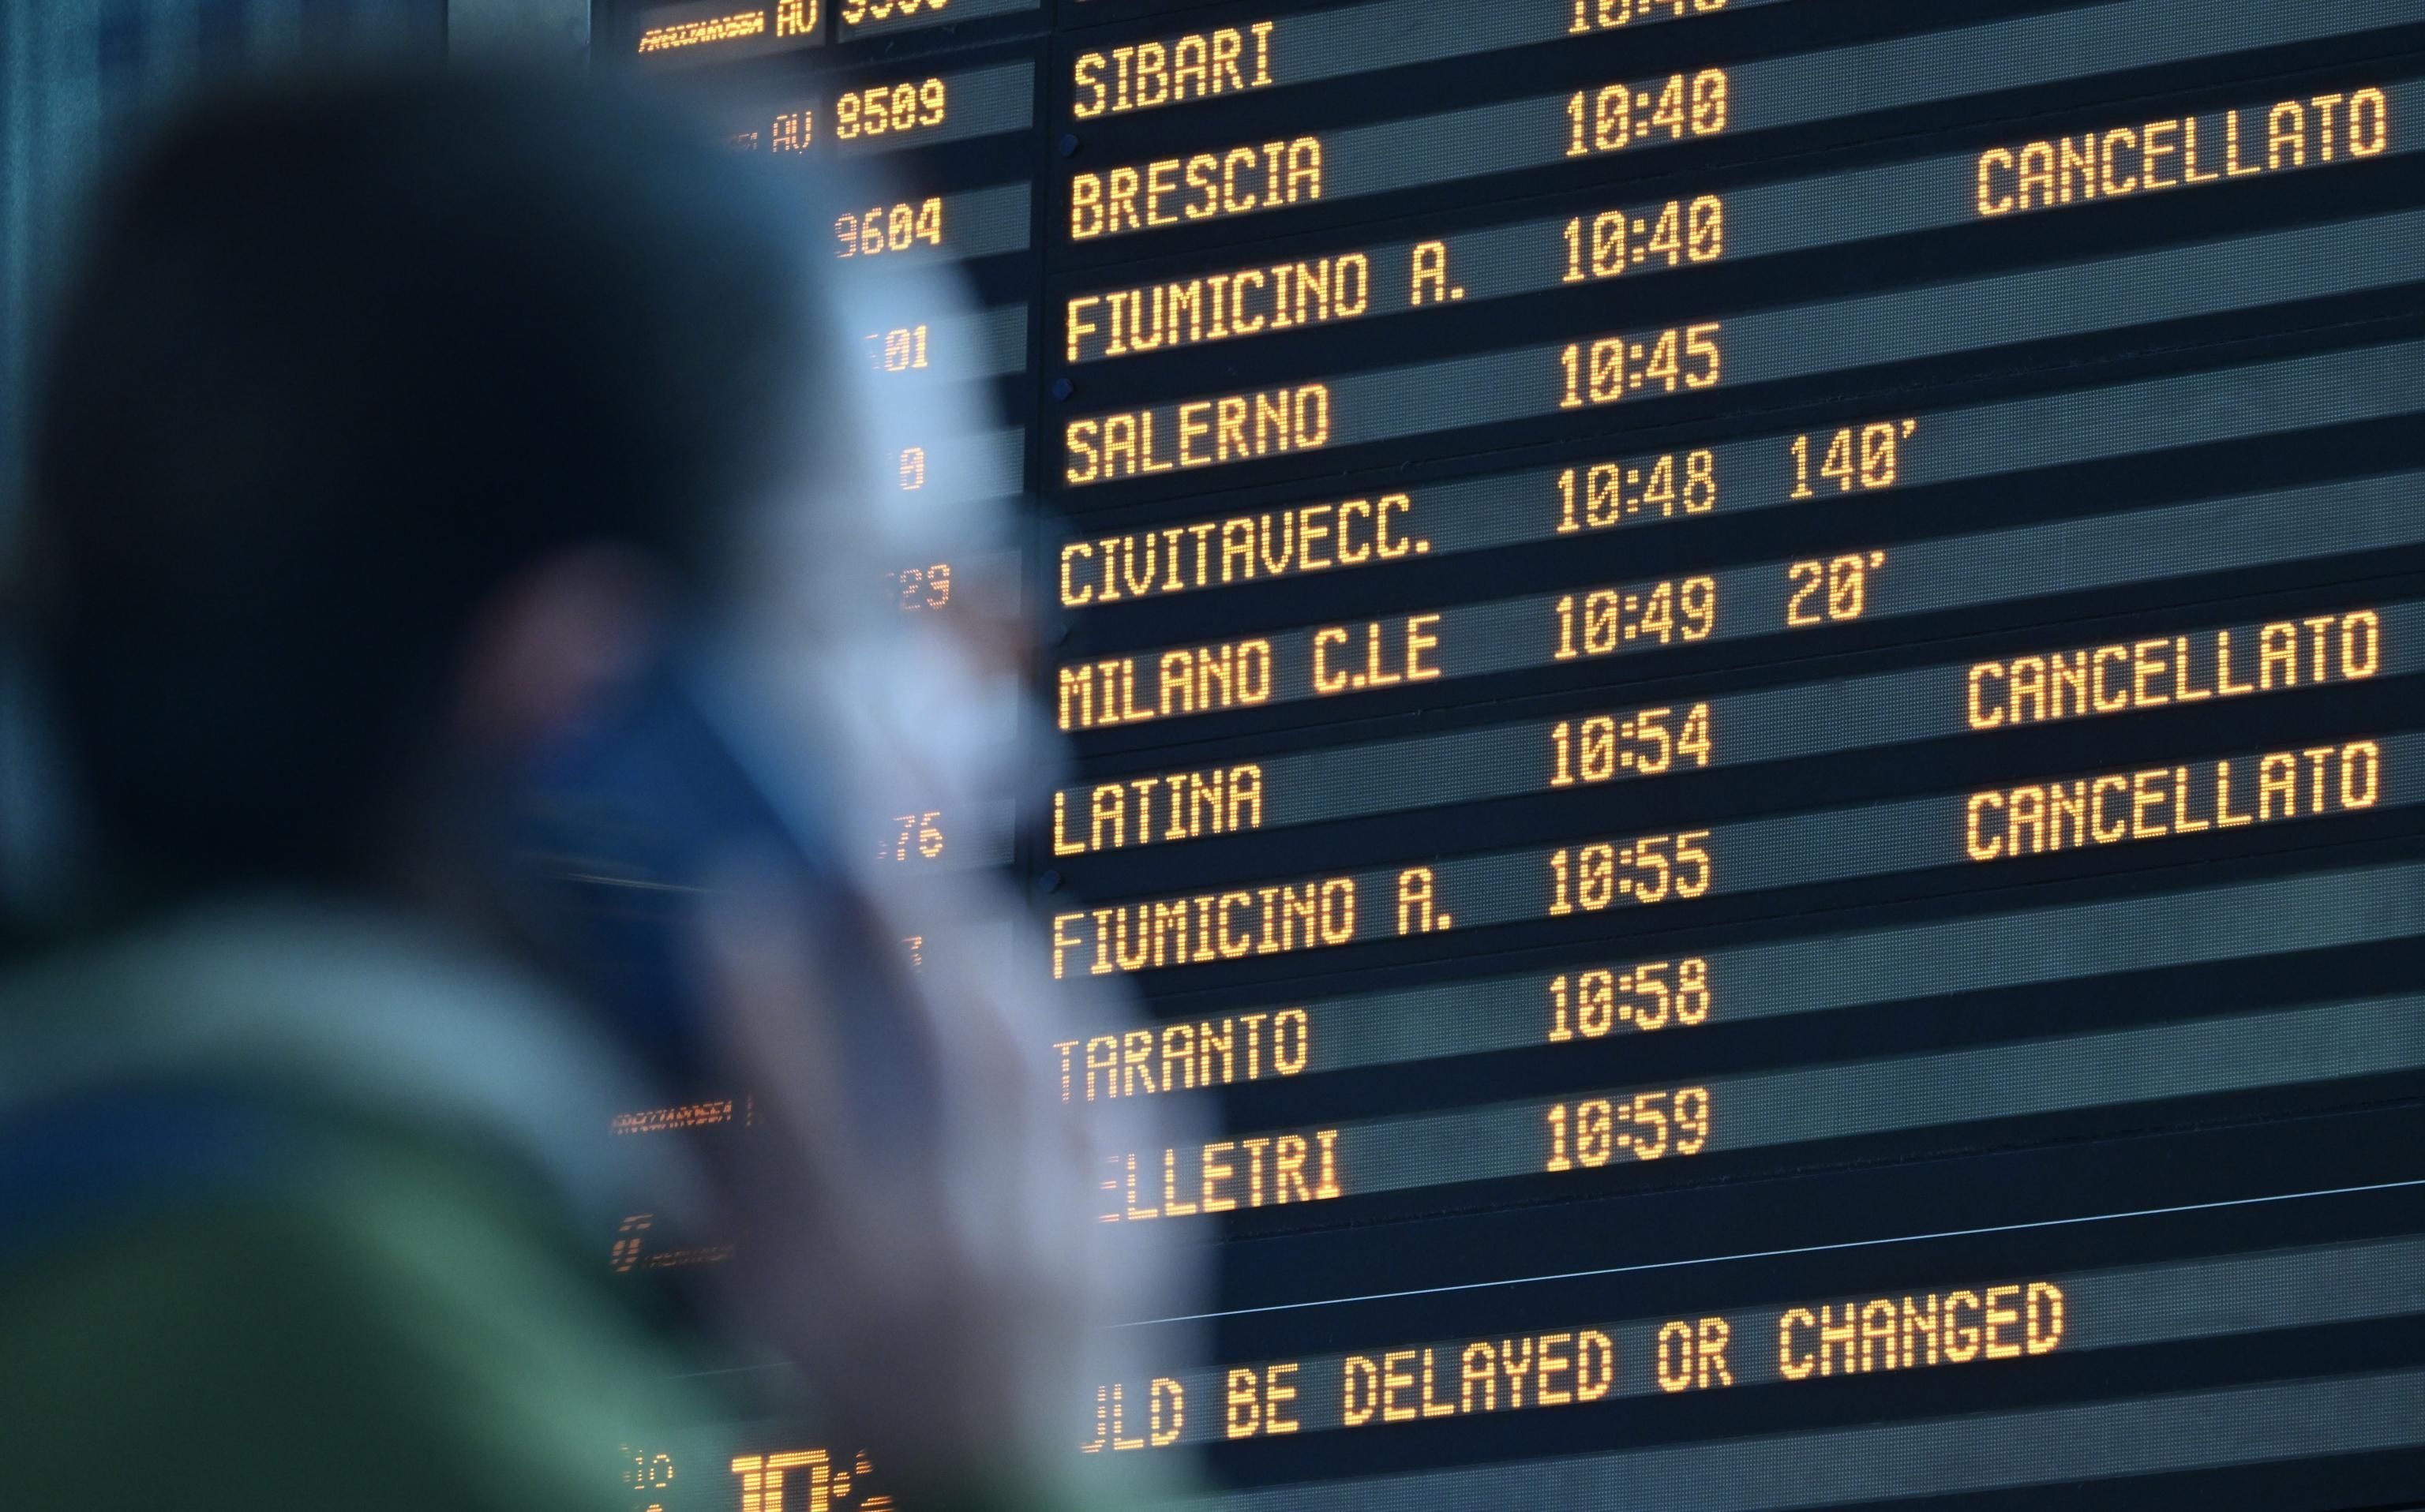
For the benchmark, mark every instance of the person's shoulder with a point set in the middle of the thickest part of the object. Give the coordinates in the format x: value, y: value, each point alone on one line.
x: 408, y: 1335
x: 322, y: 1015
x: 301, y: 1201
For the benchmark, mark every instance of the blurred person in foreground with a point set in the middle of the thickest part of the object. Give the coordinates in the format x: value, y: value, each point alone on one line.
x: 390, y: 428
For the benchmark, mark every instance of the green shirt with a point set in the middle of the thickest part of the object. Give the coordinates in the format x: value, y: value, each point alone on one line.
x: 407, y: 1303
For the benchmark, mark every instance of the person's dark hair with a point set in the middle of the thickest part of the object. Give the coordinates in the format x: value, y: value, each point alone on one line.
x: 342, y: 359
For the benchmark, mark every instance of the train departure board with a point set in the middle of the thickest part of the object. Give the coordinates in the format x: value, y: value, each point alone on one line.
x: 1743, y: 683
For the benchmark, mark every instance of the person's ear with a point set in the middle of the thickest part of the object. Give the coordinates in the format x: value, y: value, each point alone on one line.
x: 554, y: 640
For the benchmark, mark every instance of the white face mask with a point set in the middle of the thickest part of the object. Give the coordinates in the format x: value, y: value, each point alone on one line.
x: 917, y: 727
x: 877, y: 624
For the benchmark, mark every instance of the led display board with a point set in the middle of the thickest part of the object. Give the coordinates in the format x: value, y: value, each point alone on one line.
x: 1739, y: 681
